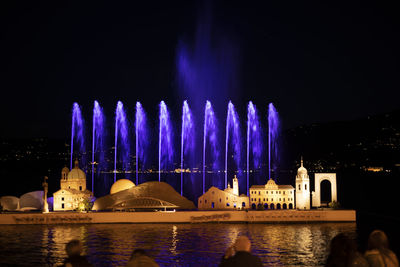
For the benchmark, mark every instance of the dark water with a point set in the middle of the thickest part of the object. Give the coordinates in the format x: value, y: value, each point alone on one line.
x: 169, y: 244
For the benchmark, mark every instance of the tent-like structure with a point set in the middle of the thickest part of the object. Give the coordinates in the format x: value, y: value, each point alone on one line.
x: 149, y: 195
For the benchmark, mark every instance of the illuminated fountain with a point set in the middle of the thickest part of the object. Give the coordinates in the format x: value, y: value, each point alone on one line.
x: 210, y: 131
x: 273, y: 128
x: 121, y: 131
x: 77, y: 133
x: 187, y: 136
x: 254, y: 141
x: 141, y: 138
x: 165, y: 147
x: 97, y: 140
x: 233, y: 130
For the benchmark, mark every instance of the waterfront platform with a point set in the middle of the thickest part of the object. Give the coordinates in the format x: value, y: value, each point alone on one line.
x: 270, y: 216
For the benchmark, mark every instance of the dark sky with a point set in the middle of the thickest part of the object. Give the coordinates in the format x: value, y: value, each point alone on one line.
x: 316, y: 61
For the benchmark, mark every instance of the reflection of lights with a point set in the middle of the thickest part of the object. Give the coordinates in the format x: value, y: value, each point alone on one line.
x: 174, y: 240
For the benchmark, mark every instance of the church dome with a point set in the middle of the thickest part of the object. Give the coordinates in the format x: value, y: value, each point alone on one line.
x: 120, y: 185
x: 76, y: 173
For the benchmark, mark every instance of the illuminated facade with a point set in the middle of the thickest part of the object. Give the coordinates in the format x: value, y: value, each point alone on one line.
x: 302, y: 188
x: 73, y: 189
x: 272, y: 196
x: 229, y: 198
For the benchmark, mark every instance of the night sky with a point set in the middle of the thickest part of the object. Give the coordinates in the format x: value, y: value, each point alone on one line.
x: 318, y: 62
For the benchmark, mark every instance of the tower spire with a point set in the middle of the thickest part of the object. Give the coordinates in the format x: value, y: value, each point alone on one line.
x: 301, y: 161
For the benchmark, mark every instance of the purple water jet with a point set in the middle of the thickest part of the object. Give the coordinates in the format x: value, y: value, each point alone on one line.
x: 77, y: 133
x: 210, y: 131
x: 232, y: 123
x: 121, y: 130
x: 187, y: 136
x: 97, y: 139
x: 165, y: 147
x: 141, y: 137
x: 254, y: 140
x: 273, y: 131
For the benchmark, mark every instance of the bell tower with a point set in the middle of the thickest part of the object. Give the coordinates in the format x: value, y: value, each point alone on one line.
x: 302, y: 188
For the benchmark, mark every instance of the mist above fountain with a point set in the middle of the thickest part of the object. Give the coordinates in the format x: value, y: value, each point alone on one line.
x: 77, y: 134
x: 165, y: 147
x: 273, y: 134
x: 121, y: 143
x: 232, y: 133
x: 141, y: 134
x: 187, y: 137
x: 98, y: 134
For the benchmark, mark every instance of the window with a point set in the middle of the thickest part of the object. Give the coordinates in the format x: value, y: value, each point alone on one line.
x: 213, y: 192
x: 243, y: 204
x: 267, y: 199
x: 283, y: 192
x: 272, y: 199
x: 284, y: 199
x: 205, y: 201
x: 234, y: 205
x: 280, y: 199
x: 62, y: 199
x: 291, y: 192
x: 277, y: 192
x: 220, y: 200
x: 212, y: 204
x: 299, y: 187
x: 272, y: 192
x: 80, y: 188
x: 227, y: 204
x: 263, y: 199
x: 305, y: 187
x: 259, y: 192
x: 62, y: 205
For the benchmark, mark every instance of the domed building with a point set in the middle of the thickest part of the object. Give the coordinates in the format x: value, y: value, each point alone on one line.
x: 73, y: 189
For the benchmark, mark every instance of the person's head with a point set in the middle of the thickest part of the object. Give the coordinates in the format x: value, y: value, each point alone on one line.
x: 378, y: 240
x: 73, y: 248
x: 138, y: 252
x: 342, y: 250
x: 242, y: 243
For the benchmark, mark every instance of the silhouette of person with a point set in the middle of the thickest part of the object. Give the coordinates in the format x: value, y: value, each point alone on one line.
x: 139, y: 258
x: 378, y: 252
x: 74, y: 250
x: 239, y: 254
x: 343, y: 252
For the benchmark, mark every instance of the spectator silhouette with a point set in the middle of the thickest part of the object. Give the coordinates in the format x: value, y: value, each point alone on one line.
x: 239, y: 254
x: 378, y: 252
x: 343, y: 252
x: 74, y: 251
x: 139, y: 258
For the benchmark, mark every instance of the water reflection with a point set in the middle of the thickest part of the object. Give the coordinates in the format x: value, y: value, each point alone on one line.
x: 169, y: 244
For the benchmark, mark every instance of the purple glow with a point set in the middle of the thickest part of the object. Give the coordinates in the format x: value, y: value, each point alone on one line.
x: 210, y: 131
x: 165, y: 147
x: 77, y: 133
x: 273, y: 131
x: 121, y: 130
x: 232, y: 123
x: 254, y: 140
x: 97, y: 139
x: 187, y: 136
x: 141, y: 137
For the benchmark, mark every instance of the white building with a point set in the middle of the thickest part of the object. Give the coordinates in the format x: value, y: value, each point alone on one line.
x: 229, y: 198
x: 302, y: 188
x: 272, y: 196
x: 73, y: 189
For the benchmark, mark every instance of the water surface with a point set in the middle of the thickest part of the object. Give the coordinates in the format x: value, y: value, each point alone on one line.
x: 169, y: 244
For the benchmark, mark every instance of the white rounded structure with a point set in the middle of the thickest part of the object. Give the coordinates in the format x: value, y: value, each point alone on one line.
x: 120, y: 185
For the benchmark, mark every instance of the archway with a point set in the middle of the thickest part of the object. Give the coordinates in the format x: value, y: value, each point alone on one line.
x: 265, y: 206
x: 290, y: 206
x: 278, y: 206
x: 316, y: 195
x: 284, y: 206
x: 253, y: 206
x: 272, y: 206
x: 326, y: 192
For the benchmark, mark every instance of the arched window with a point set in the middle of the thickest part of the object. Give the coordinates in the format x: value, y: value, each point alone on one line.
x: 243, y: 204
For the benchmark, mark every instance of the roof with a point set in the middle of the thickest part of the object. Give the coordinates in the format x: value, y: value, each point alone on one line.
x: 73, y: 191
x: 279, y: 187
